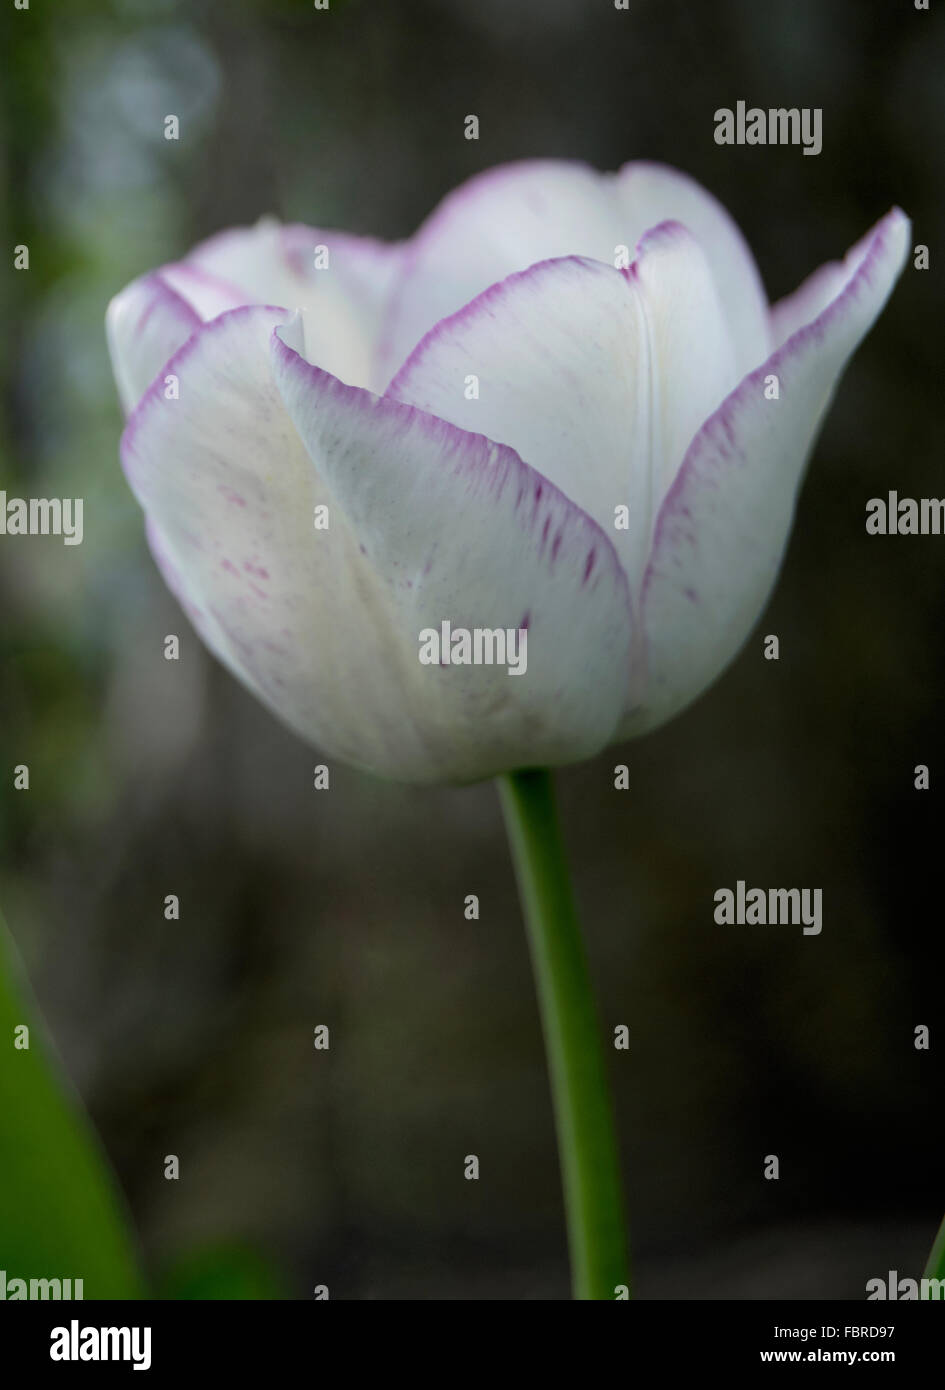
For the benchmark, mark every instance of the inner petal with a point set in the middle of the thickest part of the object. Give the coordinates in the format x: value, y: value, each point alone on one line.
x: 342, y: 282
x: 514, y: 216
x: 495, y: 224
x: 598, y: 378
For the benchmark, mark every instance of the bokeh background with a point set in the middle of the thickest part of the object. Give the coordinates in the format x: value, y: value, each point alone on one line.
x: 299, y: 908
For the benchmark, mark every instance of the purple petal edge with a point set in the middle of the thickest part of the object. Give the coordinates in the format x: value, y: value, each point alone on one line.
x: 153, y: 394
x: 452, y: 439
x: 665, y: 231
x: 166, y: 294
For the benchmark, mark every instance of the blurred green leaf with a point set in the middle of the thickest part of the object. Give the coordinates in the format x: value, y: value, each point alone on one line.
x: 225, y: 1271
x: 935, y: 1269
x: 61, y: 1215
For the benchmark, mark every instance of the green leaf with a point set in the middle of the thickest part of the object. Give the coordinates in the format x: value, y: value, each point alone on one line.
x: 935, y: 1269
x: 229, y: 1270
x: 61, y: 1214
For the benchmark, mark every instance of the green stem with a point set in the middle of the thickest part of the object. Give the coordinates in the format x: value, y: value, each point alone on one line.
x: 587, y: 1143
x: 935, y: 1269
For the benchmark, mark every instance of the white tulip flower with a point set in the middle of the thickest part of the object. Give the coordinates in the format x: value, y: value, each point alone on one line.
x: 563, y: 409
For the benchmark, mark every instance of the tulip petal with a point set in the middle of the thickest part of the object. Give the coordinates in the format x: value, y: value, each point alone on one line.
x: 816, y: 292
x: 511, y: 217
x: 496, y: 223
x: 207, y: 294
x: 229, y: 496
x: 598, y: 378
x: 650, y: 193
x: 724, y: 524
x: 455, y: 528
x: 343, y: 283
x: 327, y: 633
x: 145, y: 325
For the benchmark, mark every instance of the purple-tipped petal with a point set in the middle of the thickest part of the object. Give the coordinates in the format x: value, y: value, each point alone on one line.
x: 816, y: 292
x: 456, y: 528
x: 724, y: 524
x: 145, y: 325
x: 343, y: 282
x: 598, y: 378
x: 207, y: 294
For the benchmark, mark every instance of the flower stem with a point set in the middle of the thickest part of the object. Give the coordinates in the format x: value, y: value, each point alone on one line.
x: 587, y: 1143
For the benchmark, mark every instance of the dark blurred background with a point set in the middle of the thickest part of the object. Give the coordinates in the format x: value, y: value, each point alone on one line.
x: 148, y: 777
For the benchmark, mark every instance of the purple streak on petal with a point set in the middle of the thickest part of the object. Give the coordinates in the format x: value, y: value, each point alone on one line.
x: 471, y: 455
x: 477, y: 306
x: 816, y: 292
x: 665, y: 233
x: 163, y: 293
x: 198, y: 276
x: 344, y: 248
x: 453, y: 202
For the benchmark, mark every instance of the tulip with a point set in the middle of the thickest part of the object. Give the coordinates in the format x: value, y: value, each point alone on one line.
x: 503, y: 430
x: 564, y: 409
